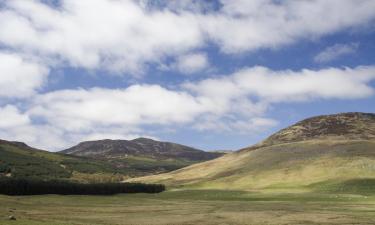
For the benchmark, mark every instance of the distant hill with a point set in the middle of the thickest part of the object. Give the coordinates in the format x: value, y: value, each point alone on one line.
x: 223, y: 151
x: 320, y: 153
x: 143, y: 155
x: 22, y: 161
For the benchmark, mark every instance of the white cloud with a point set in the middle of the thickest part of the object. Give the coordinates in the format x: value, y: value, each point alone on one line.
x: 256, y: 124
x: 59, y: 119
x: 136, y: 105
x: 249, y: 25
x: 192, y: 63
x: 241, y: 99
x: 126, y: 36
x: 336, y: 51
x: 19, y: 126
x: 285, y: 86
x: 38, y: 136
x: 12, y: 117
x: 117, y: 35
x: 236, y: 125
x: 18, y: 77
x: 235, y: 103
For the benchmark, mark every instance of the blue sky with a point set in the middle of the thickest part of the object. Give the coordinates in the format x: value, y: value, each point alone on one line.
x: 210, y: 74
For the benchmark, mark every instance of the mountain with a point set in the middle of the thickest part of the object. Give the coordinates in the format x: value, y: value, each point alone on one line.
x: 22, y: 161
x: 343, y: 126
x: 97, y: 161
x: 142, y: 155
x: 331, y: 152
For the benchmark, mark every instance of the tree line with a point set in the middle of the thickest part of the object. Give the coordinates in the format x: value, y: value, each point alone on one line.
x: 12, y: 186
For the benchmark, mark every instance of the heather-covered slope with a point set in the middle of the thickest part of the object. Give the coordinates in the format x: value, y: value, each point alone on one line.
x: 334, y: 149
x: 143, y: 155
x: 343, y: 126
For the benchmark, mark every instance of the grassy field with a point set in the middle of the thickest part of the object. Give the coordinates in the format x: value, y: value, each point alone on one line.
x: 289, y: 165
x: 191, y: 207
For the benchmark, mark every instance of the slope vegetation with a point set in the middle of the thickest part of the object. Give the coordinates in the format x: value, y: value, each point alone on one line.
x: 142, y: 155
x: 319, y: 153
x: 21, y: 161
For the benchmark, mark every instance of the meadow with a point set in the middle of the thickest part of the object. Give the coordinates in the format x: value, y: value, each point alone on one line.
x: 191, y: 207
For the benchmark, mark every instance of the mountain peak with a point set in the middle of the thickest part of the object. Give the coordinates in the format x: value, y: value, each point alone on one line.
x: 349, y: 126
x: 142, y: 154
x: 15, y: 143
x: 143, y: 139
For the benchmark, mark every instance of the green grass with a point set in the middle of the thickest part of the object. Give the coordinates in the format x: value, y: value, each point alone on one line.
x: 355, y: 186
x: 191, y: 207
x: 46, y: 165
x: 24, y: 163
x: 285, y: 166
x: 146, y: 165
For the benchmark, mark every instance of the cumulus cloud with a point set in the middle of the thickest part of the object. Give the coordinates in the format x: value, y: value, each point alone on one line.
x: 117, y: 35
x: 287, y: 85
x: 192, y: 63
x: 125, y: 36
x: 249, y: 25
x: 12, y: 117
x: 236, y: 125
x: 233, y: 96
x: 18, y: 77
x: 17, y: 125
x: 136, y: 105
x: 336, y: 51
x: 23, y: 126
x: 235, y: 103
x: 38, y: 136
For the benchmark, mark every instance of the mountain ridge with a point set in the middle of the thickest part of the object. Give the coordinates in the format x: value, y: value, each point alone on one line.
x: 135, y: 146
x: 142, y: 154
x: 340, y: 126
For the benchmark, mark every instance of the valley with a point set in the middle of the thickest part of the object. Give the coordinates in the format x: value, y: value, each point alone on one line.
x: 318, y: 171
x: 187, y: 112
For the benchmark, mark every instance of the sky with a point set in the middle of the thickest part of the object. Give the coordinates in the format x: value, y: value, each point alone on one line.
x: 215, y: 74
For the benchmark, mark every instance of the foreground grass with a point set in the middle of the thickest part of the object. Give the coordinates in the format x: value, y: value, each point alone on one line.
x: 191, y: 207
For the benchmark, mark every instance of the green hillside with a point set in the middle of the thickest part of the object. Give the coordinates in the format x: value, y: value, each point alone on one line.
x: 143, y: 156
x: 310, y: 155
x: 19, y: 160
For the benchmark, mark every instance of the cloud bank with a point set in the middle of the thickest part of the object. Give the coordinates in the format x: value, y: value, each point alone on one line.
x: 128, y: 37
x: 20, y: 78
x: 125, y: 36
x: 231, y: 103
